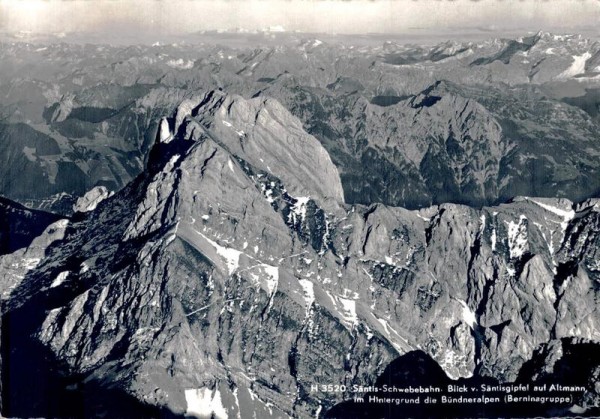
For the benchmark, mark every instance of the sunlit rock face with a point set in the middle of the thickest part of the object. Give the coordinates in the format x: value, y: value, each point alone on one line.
x: 231, y: 276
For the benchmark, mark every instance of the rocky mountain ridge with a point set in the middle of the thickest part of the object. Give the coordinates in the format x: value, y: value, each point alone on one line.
x: 234, y: 254
x: 89, y: 114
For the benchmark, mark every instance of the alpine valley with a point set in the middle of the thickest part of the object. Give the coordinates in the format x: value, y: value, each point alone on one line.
x: 253, y: 225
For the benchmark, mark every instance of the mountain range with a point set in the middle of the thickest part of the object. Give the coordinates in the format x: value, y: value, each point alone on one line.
x: 213, y: 231
x: 472, y: 123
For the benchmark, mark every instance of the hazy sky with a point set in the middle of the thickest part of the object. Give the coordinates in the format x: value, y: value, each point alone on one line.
x: 356, y: 16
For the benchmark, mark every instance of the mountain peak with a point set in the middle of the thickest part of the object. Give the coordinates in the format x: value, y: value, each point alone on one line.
x: 261, y: 132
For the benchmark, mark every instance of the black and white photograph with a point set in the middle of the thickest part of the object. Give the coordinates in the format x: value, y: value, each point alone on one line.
x: 329, y: 209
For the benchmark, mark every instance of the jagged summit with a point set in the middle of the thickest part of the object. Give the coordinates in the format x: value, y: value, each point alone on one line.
x: 264, y: 134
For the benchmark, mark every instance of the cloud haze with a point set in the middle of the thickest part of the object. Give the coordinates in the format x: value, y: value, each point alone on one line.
x: 357, y: 16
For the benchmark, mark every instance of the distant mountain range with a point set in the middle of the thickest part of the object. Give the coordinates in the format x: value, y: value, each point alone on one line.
x: 456, y: 122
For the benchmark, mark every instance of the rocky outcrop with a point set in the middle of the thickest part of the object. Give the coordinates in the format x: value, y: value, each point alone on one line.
x: 231, y: 277
x: 91, y: 199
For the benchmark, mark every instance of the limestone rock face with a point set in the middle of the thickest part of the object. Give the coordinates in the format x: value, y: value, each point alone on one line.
x: 449, y: 142
x: 265, y: 134
x: 231, y: 277
x: 61, y: 109
x: 91, y: 199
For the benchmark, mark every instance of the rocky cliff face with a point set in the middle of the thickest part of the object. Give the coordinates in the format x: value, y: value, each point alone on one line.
x: 231, y: 276
x: 471, y: 145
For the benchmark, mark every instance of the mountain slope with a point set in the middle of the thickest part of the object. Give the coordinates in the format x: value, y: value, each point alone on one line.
x: 19, y: 226
x: 473, y: 145
x: 234, y: 254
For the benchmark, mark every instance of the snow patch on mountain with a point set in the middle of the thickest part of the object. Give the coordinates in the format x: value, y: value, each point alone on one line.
x: 468, y: 314
x: 165, y: 135
x: 60, y: 279
x: 348, y: 310
x: 393, y: 336
x: 517, y: 237
x: 577, y: 67
x: 272, y: 277
x: 181, y: 64
x: 309, y: 292
x: 230, y: 255
x: 566, y: 214
x: 30, y: 263
x: 298, y: 212
x: 204, y: 402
